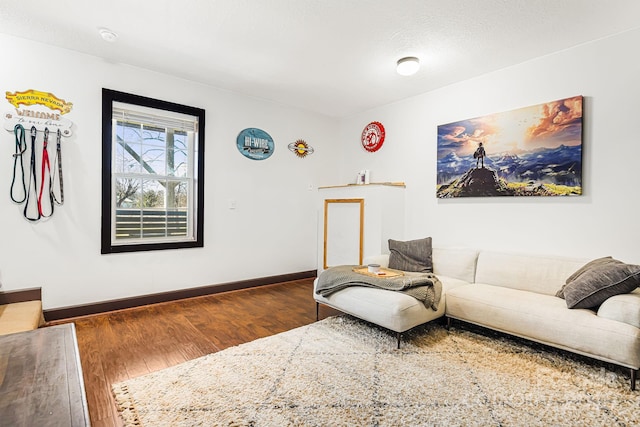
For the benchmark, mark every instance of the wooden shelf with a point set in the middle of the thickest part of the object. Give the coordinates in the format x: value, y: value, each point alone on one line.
x: 388, y: 184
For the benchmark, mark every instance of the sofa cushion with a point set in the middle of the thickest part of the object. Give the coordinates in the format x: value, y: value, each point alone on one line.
x: 546, y: 319
x: 588, y: 266
x: 392, y: 310
x: 536, y: 273
x: 413, y: 255
x: 455, y: 262
x: 597, y: 284
x: 458, y: 263
x: 622, y: 308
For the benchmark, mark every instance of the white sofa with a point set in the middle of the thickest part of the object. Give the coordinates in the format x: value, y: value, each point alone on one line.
x: 511, y: 293
x: 400, y: 312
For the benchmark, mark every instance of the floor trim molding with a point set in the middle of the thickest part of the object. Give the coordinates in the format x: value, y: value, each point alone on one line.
x: 137, y: 301
x: 20, y: 295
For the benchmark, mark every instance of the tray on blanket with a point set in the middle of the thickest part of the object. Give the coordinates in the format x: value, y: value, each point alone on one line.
x: 384, y: 272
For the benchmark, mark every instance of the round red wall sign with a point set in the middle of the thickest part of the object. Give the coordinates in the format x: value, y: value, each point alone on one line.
x: 373, y: 136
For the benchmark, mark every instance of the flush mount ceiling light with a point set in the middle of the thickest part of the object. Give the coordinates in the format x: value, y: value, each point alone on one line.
x: 408, y: 65
x: 107, y: 35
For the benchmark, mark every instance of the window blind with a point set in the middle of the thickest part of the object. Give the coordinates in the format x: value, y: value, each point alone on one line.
x: 155, y: 117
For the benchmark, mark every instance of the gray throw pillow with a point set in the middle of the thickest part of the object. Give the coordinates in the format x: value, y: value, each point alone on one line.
x: 588, y: 266
x: 597, y: 284
x: 413, y: 255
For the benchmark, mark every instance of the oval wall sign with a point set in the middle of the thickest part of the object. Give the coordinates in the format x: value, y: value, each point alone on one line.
x: 372, y: 136
x: 255, y: 144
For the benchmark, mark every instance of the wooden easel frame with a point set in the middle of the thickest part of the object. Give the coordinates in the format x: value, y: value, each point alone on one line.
x: 326, y: 231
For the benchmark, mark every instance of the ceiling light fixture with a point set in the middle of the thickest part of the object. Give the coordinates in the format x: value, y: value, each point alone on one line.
x: 408, y: 65
x: 107, y: 35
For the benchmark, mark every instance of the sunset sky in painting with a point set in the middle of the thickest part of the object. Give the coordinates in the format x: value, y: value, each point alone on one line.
x: 547, y: 125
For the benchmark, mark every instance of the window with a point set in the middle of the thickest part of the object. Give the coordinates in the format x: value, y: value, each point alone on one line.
x: 152, y: 174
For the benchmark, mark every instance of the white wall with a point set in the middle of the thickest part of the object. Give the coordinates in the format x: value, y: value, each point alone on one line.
x: 605, y: 220
x: 63, y: 254
x: 272, y: 231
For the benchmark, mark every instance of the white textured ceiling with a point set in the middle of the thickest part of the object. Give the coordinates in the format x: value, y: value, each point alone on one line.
x: 335, y: 57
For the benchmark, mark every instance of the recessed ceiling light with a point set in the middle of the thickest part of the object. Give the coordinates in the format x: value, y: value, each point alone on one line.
x: 107, y: 35
x: 408, y: 66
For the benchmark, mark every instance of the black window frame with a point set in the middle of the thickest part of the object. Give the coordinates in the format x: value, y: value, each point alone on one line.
x: 110, y: 96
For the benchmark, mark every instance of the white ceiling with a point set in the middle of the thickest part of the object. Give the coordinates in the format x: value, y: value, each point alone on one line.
x: 334, y: 57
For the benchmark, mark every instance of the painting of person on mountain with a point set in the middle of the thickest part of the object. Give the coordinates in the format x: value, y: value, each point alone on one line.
x: 479, y: 155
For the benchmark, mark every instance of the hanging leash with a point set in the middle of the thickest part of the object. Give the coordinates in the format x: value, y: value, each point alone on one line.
x: 58, y: 170
x: 32, y: 178
x: 21, y: 147
x: 46, y: 169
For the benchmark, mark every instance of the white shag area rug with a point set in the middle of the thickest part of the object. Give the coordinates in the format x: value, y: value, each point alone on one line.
x: 344, y: 372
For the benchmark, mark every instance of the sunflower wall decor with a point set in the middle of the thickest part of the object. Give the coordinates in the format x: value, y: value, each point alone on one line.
x: 300, y: 148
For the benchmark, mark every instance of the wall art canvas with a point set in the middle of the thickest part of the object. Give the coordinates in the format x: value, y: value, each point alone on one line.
x: 530, y: 151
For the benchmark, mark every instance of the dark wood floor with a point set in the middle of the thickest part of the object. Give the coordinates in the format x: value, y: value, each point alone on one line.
x: 120, y: 345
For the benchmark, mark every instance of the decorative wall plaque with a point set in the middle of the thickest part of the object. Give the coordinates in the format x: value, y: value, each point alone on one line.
x: 373, y: 136
x: 300, y: 148
x: 255, y: 144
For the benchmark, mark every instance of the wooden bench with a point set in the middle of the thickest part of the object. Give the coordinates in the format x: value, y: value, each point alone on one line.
x: 20, y: 310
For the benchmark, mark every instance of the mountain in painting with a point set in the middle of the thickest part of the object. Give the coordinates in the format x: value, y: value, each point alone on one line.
x: 560, y: 166
x: 476, y: 182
